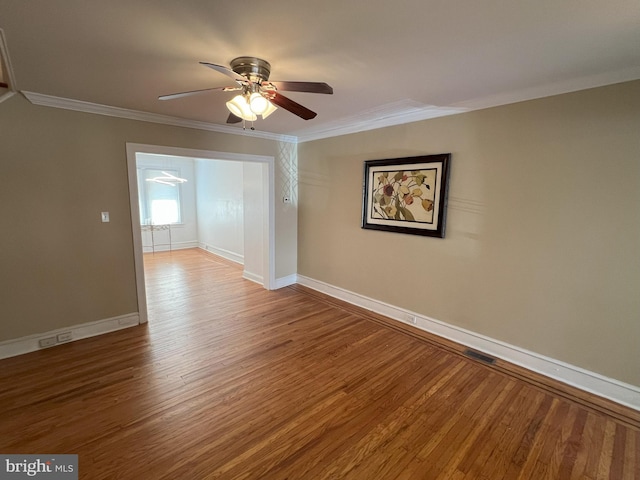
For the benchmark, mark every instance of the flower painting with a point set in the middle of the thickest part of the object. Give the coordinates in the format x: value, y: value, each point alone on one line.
x: 401, y: 195
x: 406, y: 195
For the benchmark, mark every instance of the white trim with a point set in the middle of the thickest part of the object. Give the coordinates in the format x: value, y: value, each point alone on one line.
x: 221, y: 252
x: 184, y: 245
x: 620, y: 392
x: 551, y: 89
x: 253, y: 277
x: 396, y: 113
x: 19, y: 346
x: 409, y: 111
x: 138, y: 262
x: 109, y: 111
x: 286, y: 281
x: 174, y: 246
x: 269, y: 227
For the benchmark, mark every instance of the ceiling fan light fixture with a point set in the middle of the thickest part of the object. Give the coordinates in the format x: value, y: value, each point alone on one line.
x: 239, y: 106
x: 258, y: 96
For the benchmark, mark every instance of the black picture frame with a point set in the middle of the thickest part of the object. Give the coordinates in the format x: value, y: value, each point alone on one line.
x: 407, y: 195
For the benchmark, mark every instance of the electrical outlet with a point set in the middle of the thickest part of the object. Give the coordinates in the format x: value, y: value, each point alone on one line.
x: 47, y: 342
x: 64, y: 337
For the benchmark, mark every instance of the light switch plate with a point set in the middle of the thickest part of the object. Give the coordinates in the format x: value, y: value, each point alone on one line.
x: 105, y: 217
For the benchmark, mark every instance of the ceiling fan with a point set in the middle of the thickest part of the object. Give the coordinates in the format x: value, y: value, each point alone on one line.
x: 258, y: 95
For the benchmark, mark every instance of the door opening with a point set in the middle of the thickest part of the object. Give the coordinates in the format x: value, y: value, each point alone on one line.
x: 261, y: 170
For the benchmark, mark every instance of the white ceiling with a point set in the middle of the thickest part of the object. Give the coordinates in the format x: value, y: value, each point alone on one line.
x: 387, y: 61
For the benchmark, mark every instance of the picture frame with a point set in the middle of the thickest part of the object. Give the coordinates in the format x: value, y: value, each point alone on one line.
x: 406, y: 195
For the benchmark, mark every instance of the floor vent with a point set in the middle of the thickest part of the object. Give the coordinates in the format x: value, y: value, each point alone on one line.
x: 480, y: 356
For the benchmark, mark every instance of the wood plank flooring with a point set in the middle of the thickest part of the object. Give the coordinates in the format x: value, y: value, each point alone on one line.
x: 230, y: 381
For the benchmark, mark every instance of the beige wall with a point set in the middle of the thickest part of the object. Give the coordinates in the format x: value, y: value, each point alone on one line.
x: 59, y: 265
x: 542, y: 247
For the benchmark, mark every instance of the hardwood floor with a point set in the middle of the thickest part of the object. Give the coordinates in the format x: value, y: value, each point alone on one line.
x: 231, y: 381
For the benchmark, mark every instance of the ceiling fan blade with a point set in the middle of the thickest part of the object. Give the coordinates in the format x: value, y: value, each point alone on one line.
x: 309, y: 87
x: 233, y: 118
x: 195, y: 92
x: 288, y: 104
x: 227, y: 71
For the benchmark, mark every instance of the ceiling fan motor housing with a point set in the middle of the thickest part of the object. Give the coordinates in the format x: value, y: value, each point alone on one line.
x: 255, y: 69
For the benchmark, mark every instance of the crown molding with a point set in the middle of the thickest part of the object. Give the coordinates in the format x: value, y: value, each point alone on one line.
x: 107, y: 110
x: 388, y: 115
x: 552, y: 89
x: 385, y: 116
x: 397, y: 113
x: 408, y: 111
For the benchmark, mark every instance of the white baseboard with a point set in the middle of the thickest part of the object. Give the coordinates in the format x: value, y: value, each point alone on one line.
x: 619, y: 392
x: 174, y: 246
x: 221, y: 252
x: 286, y: 281
x: 253, y: 277
x: 19, y: 346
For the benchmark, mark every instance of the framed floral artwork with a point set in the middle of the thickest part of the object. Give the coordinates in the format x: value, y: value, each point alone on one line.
x: 406, y: 195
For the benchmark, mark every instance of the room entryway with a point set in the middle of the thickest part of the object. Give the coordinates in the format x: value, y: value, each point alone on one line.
x: 220, y: 202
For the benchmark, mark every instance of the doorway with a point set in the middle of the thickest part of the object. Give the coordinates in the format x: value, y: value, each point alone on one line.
x: 265, y: 220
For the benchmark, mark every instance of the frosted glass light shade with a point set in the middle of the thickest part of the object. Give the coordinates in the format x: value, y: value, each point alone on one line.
x: 240, y: 108
x: 270, y: 109
x: 258, y: 103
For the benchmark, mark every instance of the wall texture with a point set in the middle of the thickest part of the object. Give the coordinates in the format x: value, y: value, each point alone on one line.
x: 220, y: 205
x: 542, y: 246
x: 59, y: 265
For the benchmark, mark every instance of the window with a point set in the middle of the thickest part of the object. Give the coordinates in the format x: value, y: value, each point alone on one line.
x: 159, y: 200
